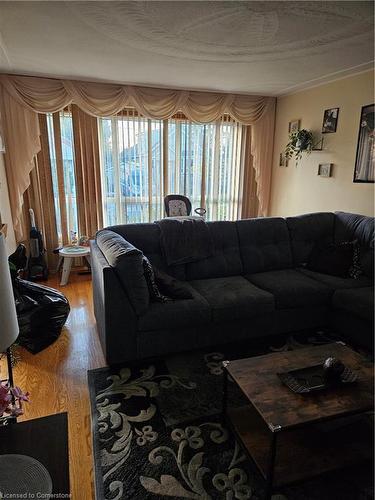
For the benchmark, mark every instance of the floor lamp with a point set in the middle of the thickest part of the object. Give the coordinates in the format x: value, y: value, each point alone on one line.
x: 9, y: 325
x: 21, y: 476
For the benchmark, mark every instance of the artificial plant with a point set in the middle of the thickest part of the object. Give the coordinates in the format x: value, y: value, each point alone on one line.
x: 299, y: 142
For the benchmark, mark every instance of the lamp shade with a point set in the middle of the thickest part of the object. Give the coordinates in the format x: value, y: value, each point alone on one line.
x: 8, y: 316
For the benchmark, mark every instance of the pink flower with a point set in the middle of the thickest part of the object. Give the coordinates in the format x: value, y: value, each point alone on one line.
x: 5, y: 397
x: 4, y: 389
x: 16, y: 412
x: 11, y: 400
x: 19, y: 394
x: 3, y: 408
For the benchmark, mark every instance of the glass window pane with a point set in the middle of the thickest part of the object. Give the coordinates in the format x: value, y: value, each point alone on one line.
x: 52, y: 154
x: 68, y: 170
x: 67, y: 149
x: 109, y: 175
x: 133, y: 167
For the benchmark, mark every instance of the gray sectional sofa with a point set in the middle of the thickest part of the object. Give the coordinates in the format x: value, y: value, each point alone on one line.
x: 254, y: 284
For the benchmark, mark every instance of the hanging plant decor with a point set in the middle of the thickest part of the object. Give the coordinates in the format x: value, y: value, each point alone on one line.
x: 299, y: 142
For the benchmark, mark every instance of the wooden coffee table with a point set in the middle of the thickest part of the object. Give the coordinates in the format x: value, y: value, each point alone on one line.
x: 292, y: 436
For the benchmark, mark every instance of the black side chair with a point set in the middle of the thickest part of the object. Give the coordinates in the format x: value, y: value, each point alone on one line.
x: 177, y: 205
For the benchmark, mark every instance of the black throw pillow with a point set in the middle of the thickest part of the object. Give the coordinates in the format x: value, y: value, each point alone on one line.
x: 155, y: 293
x: 171, y: 287
x: 355, y: 270
x: 335, y: 259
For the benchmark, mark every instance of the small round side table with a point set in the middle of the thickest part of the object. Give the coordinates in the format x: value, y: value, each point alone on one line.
x: 67, y: 255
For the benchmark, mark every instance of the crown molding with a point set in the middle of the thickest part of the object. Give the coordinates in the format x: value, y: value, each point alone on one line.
x: 329, y: 78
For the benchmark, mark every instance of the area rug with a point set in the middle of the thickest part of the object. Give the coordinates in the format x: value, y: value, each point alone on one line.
x: 158, y: 433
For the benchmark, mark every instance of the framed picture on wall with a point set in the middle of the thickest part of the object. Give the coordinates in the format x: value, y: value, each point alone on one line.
x: 283, y: 160
x: 294, y: 126
x: 325, y: 169
x: 330, y: 120
x: 365, y: 158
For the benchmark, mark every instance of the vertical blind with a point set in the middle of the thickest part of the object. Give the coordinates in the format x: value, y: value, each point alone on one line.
x: 73, y: 152
x: 143, y: 160
x: 131, y: 155
x: 134, y: 162
x: 61, y: 153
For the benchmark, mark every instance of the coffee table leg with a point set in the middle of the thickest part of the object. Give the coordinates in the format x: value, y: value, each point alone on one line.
x: 271, y: 466
x: 225, y: 387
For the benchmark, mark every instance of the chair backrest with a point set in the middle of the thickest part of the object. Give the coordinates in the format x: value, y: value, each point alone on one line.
x: 177, y: 205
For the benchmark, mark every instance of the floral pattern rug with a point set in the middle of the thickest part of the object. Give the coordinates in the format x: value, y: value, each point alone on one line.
x: 158, y: 433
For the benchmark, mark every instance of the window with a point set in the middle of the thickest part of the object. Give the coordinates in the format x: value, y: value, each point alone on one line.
x: 131, y: 161
x: 61, y: 151
x: 142, y: 160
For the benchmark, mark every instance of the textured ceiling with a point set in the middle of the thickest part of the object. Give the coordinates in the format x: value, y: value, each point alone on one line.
x: 260, y: 47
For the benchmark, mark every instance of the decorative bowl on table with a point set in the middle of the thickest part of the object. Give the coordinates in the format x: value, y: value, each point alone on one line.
x: 330, y: 373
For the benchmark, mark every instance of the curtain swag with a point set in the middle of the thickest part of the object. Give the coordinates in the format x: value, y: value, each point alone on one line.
x: 46, y: 95
x: 22, y: 97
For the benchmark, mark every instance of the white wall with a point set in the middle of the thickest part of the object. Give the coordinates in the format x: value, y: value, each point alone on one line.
x: 5, y: 208
x: 296, y: 190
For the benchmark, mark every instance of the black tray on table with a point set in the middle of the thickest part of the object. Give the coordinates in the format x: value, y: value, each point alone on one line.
x: 312, y: 379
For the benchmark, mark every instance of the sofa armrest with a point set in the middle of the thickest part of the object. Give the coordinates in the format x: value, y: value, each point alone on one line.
x: 127, y: 262
x: 115, y: 317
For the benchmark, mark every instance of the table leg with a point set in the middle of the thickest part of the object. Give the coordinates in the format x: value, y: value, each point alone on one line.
x: 66, y: 270
x: 88, y: 258
x: 225, y: 388
x: 271, y: 467
x: 59, y: 263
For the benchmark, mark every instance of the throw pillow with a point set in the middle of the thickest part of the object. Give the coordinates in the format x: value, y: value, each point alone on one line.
x: 171, y: 287
x: 333, y: 259
x: 155, y: 293
x: 355, y: 270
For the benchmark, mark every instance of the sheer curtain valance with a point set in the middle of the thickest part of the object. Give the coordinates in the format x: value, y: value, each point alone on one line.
x: 22, y: 97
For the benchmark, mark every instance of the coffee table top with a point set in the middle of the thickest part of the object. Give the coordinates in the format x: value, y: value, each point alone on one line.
x: 281, y: 408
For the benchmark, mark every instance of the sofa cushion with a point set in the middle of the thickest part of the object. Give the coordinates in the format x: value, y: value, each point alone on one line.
x: 358, y: 301
x: 233, y: 298
x: 146, y: 237
x: 307, y: 230
x: 127, y: 262
x: 292, y: 289
x: 226, y: 259
x: 361, y: 228
x: 337, y: 259
x: 335, y: 282
x: 264, y: 244
x: 176, y: 314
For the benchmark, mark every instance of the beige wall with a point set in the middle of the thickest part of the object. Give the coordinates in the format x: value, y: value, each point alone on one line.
x: 5, y: 208
x: 297, y: 190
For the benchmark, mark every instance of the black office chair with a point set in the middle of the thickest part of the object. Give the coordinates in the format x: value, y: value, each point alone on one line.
x: 177, y: 205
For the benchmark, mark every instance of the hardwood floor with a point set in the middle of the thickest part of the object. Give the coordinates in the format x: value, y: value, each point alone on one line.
x: 57, y: 380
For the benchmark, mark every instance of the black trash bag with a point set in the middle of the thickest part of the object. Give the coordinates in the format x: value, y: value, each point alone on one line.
x: 41, y: 312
